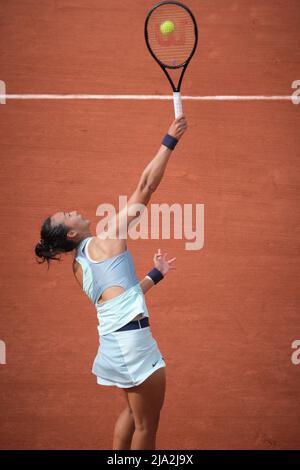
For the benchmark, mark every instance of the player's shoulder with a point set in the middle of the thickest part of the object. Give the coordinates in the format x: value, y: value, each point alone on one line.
x: 106, y: 247
x: 108, y: 243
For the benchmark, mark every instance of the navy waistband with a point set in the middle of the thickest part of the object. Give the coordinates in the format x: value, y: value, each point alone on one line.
x: 135, y: 324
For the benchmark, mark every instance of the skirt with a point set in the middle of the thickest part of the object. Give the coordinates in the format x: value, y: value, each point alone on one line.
x: 127, y: 358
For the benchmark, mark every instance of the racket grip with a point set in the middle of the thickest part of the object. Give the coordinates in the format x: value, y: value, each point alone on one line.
x: 177, y: 103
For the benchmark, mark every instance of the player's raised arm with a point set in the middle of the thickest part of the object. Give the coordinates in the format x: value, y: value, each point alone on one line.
x: 150, y: 177
x: 154, y: 171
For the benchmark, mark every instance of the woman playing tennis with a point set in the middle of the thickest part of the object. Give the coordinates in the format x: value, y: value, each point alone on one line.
x: 128, y: 356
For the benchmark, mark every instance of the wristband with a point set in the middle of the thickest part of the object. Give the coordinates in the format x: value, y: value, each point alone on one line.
x: 169, y: 141
x: 155, y: 275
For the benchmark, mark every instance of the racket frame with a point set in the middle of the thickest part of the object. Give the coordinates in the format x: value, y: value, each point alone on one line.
x: 183, y: 66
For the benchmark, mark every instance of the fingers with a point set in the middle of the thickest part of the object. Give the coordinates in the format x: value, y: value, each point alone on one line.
x: 178, y: 127
x: 171, y: 263
x: 181, y: 125
x: 180, y: 118
x: 181, y: 130
x: 160, y: 256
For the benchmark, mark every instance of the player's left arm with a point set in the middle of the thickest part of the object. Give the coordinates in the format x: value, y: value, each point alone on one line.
x: 160, y: 263
x: 146, y: 283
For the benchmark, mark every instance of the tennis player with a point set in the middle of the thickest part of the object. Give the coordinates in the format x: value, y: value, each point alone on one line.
x: 128, y: 356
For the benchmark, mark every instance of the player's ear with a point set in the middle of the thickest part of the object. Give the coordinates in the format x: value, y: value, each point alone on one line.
x: 72, y: 234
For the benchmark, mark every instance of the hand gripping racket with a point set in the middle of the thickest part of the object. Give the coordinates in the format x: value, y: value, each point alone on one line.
x: 171, y: 36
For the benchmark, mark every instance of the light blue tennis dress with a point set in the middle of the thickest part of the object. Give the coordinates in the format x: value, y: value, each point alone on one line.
x: 125, y: 358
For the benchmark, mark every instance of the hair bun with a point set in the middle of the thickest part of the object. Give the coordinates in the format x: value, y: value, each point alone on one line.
x: 44, y: 244
x: 53, y: 241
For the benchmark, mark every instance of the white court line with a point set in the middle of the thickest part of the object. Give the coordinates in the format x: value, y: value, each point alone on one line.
x: 145, y: 97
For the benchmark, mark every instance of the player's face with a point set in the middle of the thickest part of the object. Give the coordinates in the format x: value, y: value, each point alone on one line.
x: 73, y: 220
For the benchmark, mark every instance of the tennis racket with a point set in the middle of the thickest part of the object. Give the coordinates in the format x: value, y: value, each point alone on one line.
x: 171, y: 36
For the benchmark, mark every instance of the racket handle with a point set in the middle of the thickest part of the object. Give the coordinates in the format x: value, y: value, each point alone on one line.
x: 177, y: 103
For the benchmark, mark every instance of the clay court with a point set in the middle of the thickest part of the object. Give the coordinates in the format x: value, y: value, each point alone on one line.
x: 226, y: 318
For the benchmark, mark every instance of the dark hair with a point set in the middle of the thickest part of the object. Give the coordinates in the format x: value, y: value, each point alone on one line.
x: 53, y: 241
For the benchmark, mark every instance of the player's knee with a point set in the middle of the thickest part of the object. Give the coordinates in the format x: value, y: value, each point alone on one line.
x: 148, y: 424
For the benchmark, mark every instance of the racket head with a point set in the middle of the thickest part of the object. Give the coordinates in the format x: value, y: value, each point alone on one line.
x: 175, y: 49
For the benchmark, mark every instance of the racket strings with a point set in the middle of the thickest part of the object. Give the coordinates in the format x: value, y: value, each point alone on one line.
x: 173, y: 48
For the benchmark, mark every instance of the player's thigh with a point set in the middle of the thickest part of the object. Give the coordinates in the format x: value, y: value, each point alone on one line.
x: 124, y: 390
x: 146, y: 400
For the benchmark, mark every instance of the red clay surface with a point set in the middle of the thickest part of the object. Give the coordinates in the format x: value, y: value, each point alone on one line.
x: 226, y: 318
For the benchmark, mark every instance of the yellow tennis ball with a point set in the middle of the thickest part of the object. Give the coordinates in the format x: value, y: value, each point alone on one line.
x: 167, y: 27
